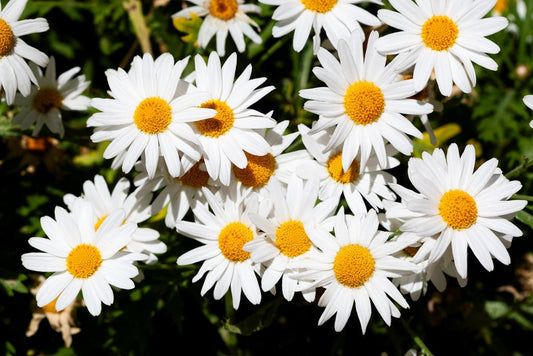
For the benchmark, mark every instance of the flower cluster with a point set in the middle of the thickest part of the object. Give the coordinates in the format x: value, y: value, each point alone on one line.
x: 326, y: 219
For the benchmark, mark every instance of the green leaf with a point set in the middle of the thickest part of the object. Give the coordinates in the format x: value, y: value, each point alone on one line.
x: 258, y: 320
x: 496, y: 309
x: 525, y: 217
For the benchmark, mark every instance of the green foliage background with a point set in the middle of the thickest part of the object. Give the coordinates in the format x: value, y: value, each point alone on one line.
x: 166, y: 311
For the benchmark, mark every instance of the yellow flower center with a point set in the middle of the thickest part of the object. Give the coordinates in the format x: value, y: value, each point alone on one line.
x: 439, y: 33
x: 501, y: 6
x: 99, y: 222
x: 458, y: 209
x: 7, y: 40
x: 291, y: 238
x: 51, y: 307
x: 411, y: 250
x: 337, y: 173
x: 46, y: 99
x: 223, y: 9
x: 83, y: 261
x: 231, y: 240
x: 153, y: 115
x: 353, y: 265
x: 364, y: 102
x: 321, y: 6
x: 195, y: 177
x: 218, y: 125
x: 257, y: 172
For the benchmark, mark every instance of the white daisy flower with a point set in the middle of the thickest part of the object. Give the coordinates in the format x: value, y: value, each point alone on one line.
x: 42, y: 106
x: 364, y: 100
x: 294, y: 219
x: 15, y: 74
x: 136, y: 206
x: 149, y: 114
x: 461, y: 208
x: 223, y: 234
x: 260, y: 169
x: 226, y: 136
x: 339, y: 18
x: 441, y: 35
x: 221, y: 17
x: 82, y: 258
x: 358, y: 184
x: 177, y: 194
x: 355, y: 267
x: 528, y: 100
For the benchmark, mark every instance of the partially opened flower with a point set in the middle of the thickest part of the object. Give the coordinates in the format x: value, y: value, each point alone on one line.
x: 364, y: 100
x: 355, y: 268
x: 223, y: 233
x: 223, y: 17
x: 148, y: 115
x: 441, y: 35
x: 235, y: 128
x: 15, y: 74
x: 82, y: 258
x: 51, y: 95
x: 460, y: 208
x: 338, y: 18
x: 528, y: 100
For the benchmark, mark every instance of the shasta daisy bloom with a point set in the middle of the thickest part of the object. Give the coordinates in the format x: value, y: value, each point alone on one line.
x: 148, y: 114
x: 82, y: 258
x: 461, y: 208
x: 364, y: 100
x: 355, y: 267
x: 221, y: 17
x: 136, y: 206
x: 177, y: 194
x: 287, y: 234
x: 528, y: 100
x: 442, y: 35
x: 260, y: 169
x: 234, y: 129
x: 15, y: 74
x: 51, y: 95
x: 358, y: 184
x: 338, y: 18
x: 223, y: 233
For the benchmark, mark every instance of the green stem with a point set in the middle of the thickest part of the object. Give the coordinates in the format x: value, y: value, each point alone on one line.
x: 425, y: 350
x: 134, y: 9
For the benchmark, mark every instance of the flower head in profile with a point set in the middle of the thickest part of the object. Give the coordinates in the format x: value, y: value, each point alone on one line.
x: 445, y: 36
x: 51, y: 95
x: 364, y: 100
x: 82, y: 258
x: 460, y: 208
x: 355, y: 268
x: 338, y: 18
x: 148, y: 115
x: 235, y: 128
x: 223, y: 17
x: 136, y: 206
x: 528, y: 100
x: 223, y: 231
x: 15, y: 74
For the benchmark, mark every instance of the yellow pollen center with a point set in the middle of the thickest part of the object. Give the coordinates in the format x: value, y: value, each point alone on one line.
x: 258, y: 171
x: 46, y: 99
x: 231, y: 240
x: 83, y: 261
x: 223, y: 9
x: 439, y: 33
x: 501, y: 6
x: 7, y: 40
x: 153, y: 115
x: 195, y: 177
x: 353, y: 265
x: 337, y: 173
x: 411, y: 250
x: 364, y: 102
x: 458, y: 209
x: 291, y: 238
x: 99, y: 222
x: 51, y: 307
x: 321, y: 6
x: 218, y: 125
